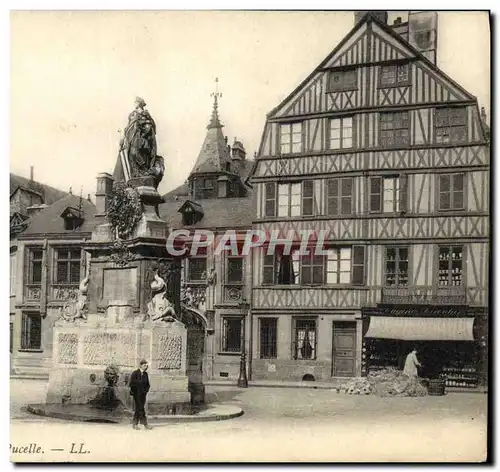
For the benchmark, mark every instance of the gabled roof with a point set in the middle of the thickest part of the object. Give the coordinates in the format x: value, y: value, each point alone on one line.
x: 406, y: 50
x: 214, y: 154
x: 189, y: 205
x: 49, y: 221
x: 49, y: 194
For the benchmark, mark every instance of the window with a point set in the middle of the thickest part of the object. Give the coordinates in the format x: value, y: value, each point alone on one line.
x: 270, y: 199
x: 231, y: 334
x: 281, y: 269
x: 197, y: 269
x: 11, y: 337
x: 451, y: 125
x: 394, y: 129
x: 291, y: 138
x: 339, y: 196
x: 289, y: 199
x: 342, y: 80
x: 394, y: 74
x: 388, y: 194
x: 268, y: 332
x: 35, y: 257
x: 312, y: 270
x: 31, y: 331
x: 304, y: 338
x: 338, y: 267
x: 13, y: 274
x: 341, y: 133
x: 234, y: 270
x: 358, y: 265
x: 451, y: 191
x: 308, y: 197
x: 67, y: 266
x: 396, y: 266
x: 450, y: 265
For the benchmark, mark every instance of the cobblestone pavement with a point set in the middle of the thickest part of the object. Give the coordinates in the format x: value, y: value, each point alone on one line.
x: 278, y: 424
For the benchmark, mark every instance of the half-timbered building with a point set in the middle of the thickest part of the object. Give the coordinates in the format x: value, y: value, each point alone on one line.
x: 384, y: 152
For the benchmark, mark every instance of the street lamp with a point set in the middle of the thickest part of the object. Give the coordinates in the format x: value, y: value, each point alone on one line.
x: 242, y: 379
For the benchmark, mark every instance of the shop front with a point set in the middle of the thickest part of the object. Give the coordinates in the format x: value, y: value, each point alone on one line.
x: 446, y: 345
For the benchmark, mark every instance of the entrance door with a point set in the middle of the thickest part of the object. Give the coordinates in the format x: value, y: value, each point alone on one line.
x: 344, y: 349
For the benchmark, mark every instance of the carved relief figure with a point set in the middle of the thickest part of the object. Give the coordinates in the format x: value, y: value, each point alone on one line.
x: 78, y: 308
x: 159, y: 307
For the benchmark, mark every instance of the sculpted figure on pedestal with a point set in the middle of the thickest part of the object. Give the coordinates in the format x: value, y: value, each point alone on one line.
x: 75, y: 309
x: 159, y: 307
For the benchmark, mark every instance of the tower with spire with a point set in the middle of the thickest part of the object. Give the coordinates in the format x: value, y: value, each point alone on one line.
x: 216, y: 172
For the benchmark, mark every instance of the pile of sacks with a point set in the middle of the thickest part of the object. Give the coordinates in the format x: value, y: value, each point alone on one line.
x: 393, y: 383
x: 357, y: 386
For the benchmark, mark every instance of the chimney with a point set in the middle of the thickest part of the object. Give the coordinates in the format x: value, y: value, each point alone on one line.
x: 31, y: 173
x: 239, y: 152
x: 103, y: 193
x: 380, y: 15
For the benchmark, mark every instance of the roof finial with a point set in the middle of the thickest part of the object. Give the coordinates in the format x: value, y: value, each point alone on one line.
x: 214, y: 120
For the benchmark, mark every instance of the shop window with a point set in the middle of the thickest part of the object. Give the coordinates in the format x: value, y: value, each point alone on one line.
x: 197, y: 269
x: 232, y: 333
x: 268, y: 338
x: 451, y: 192
x: 450, y: 270
x: 451, y: 125
x: 340, y: 80
x: 304, y: 338
x: 394, y: 129
x: 394, y: 74
x: 339, y: 193
x: 396, y: 266
x: 388, y: 194
x: 291, y: 138
x: 341, y: 133
x: 67, y: 266
x: 31, y: 332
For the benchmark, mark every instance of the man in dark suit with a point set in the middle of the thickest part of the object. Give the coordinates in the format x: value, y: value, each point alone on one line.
x: 139, y: 388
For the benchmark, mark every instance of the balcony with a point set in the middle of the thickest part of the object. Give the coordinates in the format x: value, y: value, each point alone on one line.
x: 424, y: 295
x: 63, y: 292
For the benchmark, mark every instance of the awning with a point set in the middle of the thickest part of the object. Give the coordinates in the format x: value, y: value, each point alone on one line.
x: 421, y: 329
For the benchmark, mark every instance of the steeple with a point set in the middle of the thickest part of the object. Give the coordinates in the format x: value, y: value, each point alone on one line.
x: 214, y: 155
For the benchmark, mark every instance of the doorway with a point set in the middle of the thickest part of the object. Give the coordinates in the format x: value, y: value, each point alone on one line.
x: 344, y: 349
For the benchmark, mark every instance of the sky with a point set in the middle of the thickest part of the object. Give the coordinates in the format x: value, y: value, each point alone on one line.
x: 75, y: 75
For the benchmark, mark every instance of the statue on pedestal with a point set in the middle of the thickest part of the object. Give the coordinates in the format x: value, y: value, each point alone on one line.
x: 76, y: 309
x: 159, y: 307
x: 138, y: 146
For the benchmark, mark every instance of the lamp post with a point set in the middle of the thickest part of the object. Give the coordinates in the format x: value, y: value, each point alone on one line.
x: 242, y: 379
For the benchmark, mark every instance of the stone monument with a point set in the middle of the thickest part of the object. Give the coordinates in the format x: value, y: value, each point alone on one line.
x: 129, y: 304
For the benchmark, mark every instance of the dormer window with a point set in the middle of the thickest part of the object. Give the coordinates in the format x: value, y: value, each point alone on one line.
x: 341, y: 80
x: 191, y: 213
x: 394, y: 74
x: 73, y: 218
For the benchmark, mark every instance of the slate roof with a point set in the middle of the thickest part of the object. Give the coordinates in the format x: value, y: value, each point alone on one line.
x: 49, y: 221
x: 50, y: 194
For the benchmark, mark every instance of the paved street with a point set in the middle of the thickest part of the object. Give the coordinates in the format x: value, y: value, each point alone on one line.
x: 278, y: 424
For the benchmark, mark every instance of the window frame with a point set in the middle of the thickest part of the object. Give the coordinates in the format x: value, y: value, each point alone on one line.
x: 224, y: 337
x: 289, y: 196
x: 449, y: 262
x: 337, y: 250
x: 451, y: 127
x: 452, y: 176
x: 397, y: 261
x: 26, y: 343
x: 273, y: 199
x: 396, y: 83
x: 68, y: 261
x: 339, y: 197
x: 342, y: 129
x: 291, y: 134
x: 295, y: 336
x: 342, y: 87
x: 188, y: 269
x: 273, y: 343
x: 30, y: 251
x: 382, y: 140
x: 229, y: 260
x: 400, y: 194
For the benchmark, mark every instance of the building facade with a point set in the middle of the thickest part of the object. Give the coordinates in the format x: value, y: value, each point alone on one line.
x: 389, y: 156
x: 49, y: 264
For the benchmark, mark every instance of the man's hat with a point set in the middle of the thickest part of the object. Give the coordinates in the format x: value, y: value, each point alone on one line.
x: 143, y: 361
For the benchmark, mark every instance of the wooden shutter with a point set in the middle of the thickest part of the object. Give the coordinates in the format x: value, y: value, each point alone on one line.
x: 358, y: 265
x: 268, y: 270
x: 403, y: 193
x: 307, y: 197
x: 376, y: 194
x: 270, y: 197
